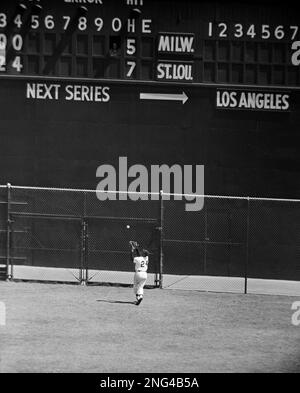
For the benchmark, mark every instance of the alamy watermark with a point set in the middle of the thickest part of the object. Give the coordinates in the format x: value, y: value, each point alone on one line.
x: 296, y: 315
x: 138, y: 183
x: 2, y: 314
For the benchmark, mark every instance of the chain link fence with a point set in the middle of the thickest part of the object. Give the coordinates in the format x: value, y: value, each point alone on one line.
x: 69, y: 235
x: 111, y: 224
x: 274, y: 245
x: 241, y: 245
x: 211, y: 245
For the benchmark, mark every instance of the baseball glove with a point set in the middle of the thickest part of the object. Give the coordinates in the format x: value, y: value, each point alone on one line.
x: 133, y: 244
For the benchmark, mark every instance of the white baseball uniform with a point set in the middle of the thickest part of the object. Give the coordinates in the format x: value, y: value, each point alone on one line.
x: 140, y: 276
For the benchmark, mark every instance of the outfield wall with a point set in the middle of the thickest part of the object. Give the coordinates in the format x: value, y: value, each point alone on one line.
x: 70, y: 104
x: 53, y: 143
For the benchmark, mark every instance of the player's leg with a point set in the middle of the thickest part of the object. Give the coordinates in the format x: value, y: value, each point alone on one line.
x: 135, y: 284
x: 138, y: 294
x: 141, y: 280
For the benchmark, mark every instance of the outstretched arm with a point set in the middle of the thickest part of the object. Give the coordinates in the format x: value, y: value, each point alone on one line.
x: 133, y: 249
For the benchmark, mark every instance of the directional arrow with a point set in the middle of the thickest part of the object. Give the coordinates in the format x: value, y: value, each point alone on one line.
x: 165, y: 97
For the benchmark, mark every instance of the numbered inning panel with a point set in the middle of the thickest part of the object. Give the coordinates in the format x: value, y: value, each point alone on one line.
x: 152, y: 40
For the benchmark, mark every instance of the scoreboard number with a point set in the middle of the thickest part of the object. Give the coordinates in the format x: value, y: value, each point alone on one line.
x: 82, y: 23
x: 3, y: 20
x: 265, y: 32
x: 35, y: 23
x: 251, y: 31
x: 296, y: 54
x: 279, y: 33
x: 116, y: 25
x: 18, y: 21
x: 295, y: 31
x: 66, y: 21
x: 131, y: 65
x: 49, y: 22
x: 239, y: 32
x: 17, y: 64
x: 99, y: 24
x: 17, y: 42
x: 3, y: 42
x: 223, y: 30
x: 131, y: 47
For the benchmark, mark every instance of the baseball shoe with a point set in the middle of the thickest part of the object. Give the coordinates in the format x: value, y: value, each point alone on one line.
x: 139, y: 301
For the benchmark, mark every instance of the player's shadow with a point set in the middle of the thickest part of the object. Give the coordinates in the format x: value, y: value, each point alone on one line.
x: 116, y: 302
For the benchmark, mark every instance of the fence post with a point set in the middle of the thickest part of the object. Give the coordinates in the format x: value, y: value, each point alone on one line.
x: 8, y: 233
x: 85, y: 268
x: 247, y: 246
x: 82, y: 277
x: 81, y: 255
x: 161, y: 239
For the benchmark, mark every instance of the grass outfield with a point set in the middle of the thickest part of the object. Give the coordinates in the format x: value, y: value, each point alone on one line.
x: 66, y: 328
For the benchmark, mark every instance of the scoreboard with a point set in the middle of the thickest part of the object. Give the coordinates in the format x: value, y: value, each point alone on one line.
x: 213, y: 83
x: 182, y: 42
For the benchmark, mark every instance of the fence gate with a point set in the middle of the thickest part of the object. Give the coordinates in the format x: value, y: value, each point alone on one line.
x: 47, y: 248
x: 206, y: 250
x: 225, y: 237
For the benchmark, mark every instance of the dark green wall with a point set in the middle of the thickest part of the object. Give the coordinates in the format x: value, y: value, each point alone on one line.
x: 61, y: 144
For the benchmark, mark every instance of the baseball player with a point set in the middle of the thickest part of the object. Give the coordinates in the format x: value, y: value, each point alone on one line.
x: 140, y: 258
